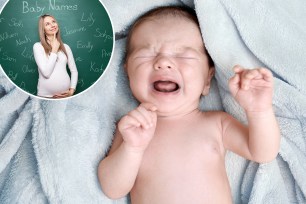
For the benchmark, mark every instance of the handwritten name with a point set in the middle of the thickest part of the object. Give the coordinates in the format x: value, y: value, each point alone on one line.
x: 12, y: 75
x: 16, y: 23
x: 105, y: 53
x: 22, y: 85
x: 26, y: 69
x: 6, y: 35
x: 73, y: 31
x: 81, y: 82
x: 104, y: 35
x: 94, y: 68
x: 90, y: 19
x: 81, y: 45
x: 27, y: 55
x: 25, y: 40
x: 78, y: 59
x: 8, y: 58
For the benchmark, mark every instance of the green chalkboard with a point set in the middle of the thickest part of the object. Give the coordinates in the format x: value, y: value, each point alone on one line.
x: 85, y: 26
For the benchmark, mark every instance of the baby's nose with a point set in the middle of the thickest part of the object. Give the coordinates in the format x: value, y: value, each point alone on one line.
x: 163, y: 62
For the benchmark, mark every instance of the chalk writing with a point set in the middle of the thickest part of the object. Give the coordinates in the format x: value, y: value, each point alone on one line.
x: 105, y: 53
x: 90, y: 19
x: 94, y: 68
x: 28, y: 55
x: 6, y: 35
x: 5, y: 57
x: 78, y: 59
x: 87, y: 45
x: 54, y: 6
x: 73, y: 31
x: 26, y: 69
x: 22, y: 85
x: 15, y: 23
x: 81, y: 83
x: 104, y: 35
x: 12, y: 75
x: 32, y: 9
x: 84, y: 26
x: 25, y: 40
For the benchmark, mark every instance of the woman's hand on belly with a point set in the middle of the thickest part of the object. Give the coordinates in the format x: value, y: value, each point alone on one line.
x: 65, y: 94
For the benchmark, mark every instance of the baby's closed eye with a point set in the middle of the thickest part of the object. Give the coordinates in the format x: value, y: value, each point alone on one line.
x: 188, y: 55
x: 145, y: 56
x: 185, y: 57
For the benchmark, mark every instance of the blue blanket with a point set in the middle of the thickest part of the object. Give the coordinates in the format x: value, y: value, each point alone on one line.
x: 49, y: 151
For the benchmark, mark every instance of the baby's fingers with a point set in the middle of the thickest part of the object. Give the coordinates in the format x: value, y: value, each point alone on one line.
x: 150, y: 110
x: 143, y: 116
x: 238, y: 69
x: 149, y: 106
x: 266, y: 74
x: 234, y: 83
x: 248, y: 76
x: 261, y: 75
x: 128, y: 122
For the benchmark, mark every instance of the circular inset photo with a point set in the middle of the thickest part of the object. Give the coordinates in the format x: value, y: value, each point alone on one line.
x: 55, y: 49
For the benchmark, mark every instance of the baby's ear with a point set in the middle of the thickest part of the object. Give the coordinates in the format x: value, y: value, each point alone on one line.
x: 211, y: 73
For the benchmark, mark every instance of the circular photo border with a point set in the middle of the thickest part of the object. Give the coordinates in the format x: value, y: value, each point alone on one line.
x: 86, y: 33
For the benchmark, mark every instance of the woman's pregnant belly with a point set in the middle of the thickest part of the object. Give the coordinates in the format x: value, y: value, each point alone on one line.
x: 57, y: 83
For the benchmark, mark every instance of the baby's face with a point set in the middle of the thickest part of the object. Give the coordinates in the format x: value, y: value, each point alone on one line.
x: 167, y: 65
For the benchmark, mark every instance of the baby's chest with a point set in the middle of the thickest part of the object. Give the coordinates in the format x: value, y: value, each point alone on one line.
x: 182, y: 151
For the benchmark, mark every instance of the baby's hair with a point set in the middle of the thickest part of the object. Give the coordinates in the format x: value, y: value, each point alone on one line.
x: 165, y: 11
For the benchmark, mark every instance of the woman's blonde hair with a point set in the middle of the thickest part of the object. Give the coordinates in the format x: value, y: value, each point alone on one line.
x: 43, y: 37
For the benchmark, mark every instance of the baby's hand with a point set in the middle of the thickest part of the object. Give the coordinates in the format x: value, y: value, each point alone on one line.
x: 253, y: 89
x: 138, y: 126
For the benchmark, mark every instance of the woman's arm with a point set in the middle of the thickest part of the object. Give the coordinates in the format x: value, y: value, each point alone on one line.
x: 74, y: 75
x: 72, y: 67
x: 45, y: 64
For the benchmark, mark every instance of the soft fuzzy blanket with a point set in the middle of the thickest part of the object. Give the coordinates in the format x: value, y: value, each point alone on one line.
x: 49, y: 151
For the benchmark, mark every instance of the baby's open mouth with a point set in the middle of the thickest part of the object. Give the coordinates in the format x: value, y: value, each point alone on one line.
x: 165, y: 86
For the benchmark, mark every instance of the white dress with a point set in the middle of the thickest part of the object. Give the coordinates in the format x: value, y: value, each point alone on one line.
x: 53, y: 76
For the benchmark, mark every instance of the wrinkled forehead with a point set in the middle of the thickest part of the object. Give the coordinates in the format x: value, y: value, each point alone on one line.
x: 162, y: 18
x: 171, y: 30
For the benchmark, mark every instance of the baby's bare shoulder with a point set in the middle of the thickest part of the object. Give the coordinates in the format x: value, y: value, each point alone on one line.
x: 215, y: 118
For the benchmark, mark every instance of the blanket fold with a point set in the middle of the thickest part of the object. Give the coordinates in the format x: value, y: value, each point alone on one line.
x: 50, y: 150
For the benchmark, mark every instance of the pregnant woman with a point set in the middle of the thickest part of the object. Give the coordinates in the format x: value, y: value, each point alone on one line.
x: 52, y: 56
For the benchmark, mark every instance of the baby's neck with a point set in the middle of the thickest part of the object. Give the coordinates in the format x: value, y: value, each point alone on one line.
x: 179, y: 116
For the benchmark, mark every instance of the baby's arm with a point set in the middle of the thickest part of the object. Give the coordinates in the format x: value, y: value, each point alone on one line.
x: 118, y: 171
x: 253, y: 90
